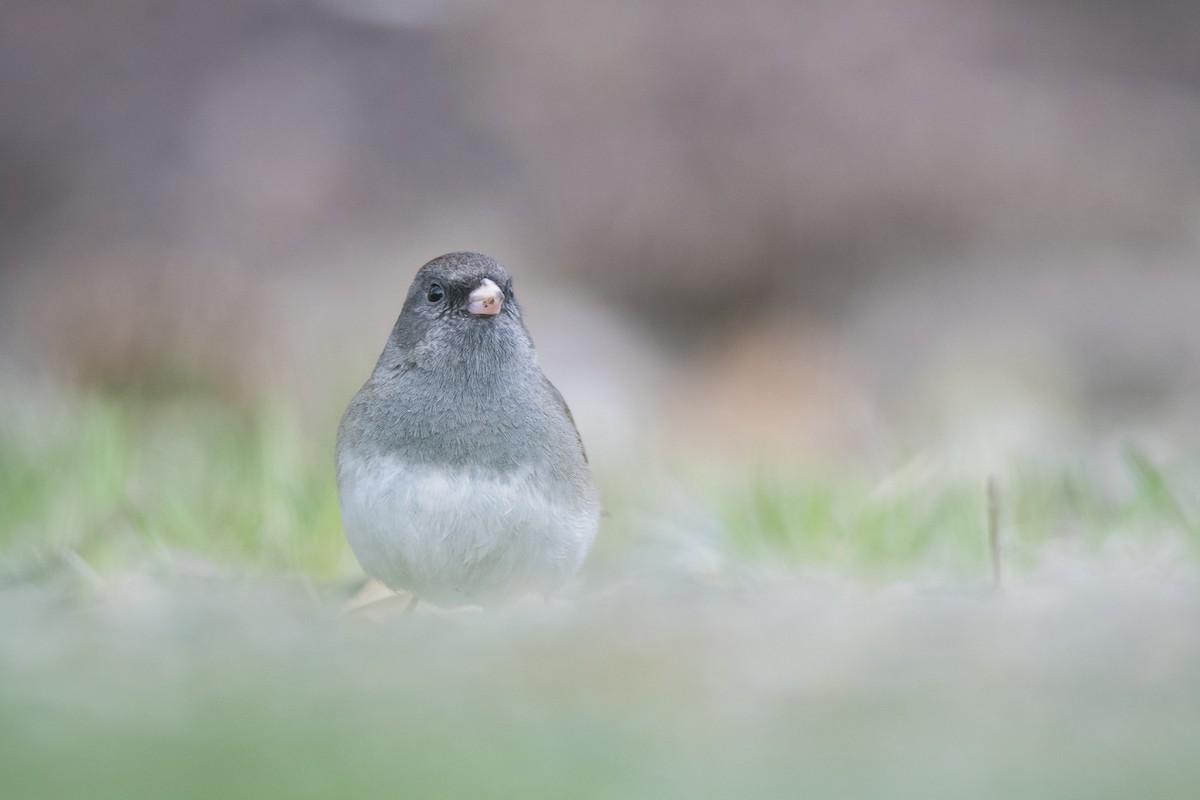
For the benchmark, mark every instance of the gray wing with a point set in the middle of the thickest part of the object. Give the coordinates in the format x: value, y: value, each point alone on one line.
x: 556, y: 395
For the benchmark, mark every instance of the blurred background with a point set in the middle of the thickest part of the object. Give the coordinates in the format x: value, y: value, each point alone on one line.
x: 808, y: 273
x: 834, y: 232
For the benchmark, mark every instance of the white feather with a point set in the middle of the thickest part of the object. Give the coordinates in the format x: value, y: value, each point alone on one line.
x: 462, y: 537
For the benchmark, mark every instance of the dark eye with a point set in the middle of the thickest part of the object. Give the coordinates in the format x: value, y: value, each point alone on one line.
x: 435, y: 293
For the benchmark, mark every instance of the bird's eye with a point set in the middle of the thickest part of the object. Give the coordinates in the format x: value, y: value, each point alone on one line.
x: 435, y: 293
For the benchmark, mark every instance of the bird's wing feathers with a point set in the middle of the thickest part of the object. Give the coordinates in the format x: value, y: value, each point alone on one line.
x: 562, y: 404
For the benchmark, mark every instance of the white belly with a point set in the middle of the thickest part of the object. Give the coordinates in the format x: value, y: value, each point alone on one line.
x: 466, y: 537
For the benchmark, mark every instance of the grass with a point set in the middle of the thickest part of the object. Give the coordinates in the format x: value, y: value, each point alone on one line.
x: 106, y: 477
x: 172, y: 572
x: 110, y: 477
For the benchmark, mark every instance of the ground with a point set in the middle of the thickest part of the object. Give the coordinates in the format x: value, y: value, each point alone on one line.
x: 171, y: 624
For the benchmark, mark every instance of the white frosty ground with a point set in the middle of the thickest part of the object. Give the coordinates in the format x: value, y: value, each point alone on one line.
x: 1083, y: 681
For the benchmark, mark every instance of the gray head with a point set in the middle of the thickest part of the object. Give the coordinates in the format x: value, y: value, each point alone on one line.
x: 460, y: 314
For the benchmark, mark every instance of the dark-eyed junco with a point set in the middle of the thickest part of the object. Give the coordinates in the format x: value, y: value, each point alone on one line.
x: 459, y: 469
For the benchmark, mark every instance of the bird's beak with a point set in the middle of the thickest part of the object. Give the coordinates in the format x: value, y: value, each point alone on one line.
x: 486, y: 299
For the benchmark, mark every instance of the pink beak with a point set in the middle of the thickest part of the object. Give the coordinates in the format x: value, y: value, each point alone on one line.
x: 486, y: 299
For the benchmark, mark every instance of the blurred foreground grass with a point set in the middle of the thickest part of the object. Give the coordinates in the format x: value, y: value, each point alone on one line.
x: 172, y: 573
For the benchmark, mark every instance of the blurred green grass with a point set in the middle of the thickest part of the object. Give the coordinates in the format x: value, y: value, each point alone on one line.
x: 111, y: 478
x: 172, y: 571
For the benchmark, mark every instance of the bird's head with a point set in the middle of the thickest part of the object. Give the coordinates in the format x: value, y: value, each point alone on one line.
x: 460, y: 309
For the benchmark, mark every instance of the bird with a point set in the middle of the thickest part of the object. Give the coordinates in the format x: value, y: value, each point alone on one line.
x: 461, y: 475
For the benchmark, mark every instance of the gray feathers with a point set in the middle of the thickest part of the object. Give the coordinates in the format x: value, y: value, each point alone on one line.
x: 461, y: 396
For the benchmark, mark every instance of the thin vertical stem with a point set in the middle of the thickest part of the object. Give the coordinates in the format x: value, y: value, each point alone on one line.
x: 993, y: 530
